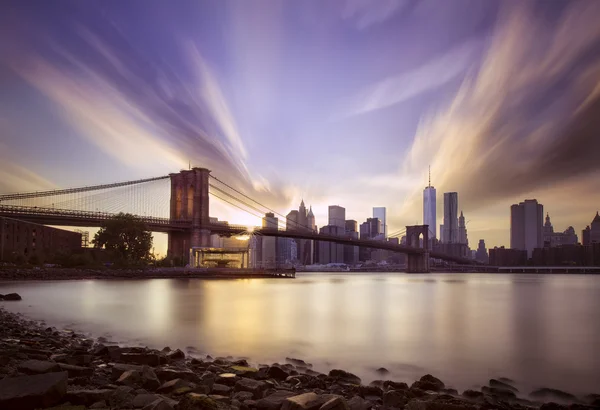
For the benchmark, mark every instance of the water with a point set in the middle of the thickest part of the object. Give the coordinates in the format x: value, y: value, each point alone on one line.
x: 540, y: 330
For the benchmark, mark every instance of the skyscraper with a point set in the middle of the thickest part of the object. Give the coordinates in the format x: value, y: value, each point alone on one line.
x: 450, y: 217
x: 337, y: 216
x: 481, y: 255
x: 429, y: 209
x: 462, y: 230
x: 526, y: 220
x: 591, y: 234
x: 379, y: 212
x: 269, y: 244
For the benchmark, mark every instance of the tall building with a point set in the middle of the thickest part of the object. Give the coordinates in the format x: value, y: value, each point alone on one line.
x: 337, y: 216
x: 371, y: 229
x: 462, y: 230
x: 481, y: 254
x: 591, y: 234
x: 553, y: 239
x: 379, y: 212
x: 330, y: 252
x: 301, y: 220
x: 269, y: 243
x: 429, y: 209
x: 450, y: 217
x: 351, y: 253
x: 526, y: 220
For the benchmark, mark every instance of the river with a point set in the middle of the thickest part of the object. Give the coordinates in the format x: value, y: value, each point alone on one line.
x: 539, y: 330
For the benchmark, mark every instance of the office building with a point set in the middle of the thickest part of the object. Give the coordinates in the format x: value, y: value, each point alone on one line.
x: 526, y: 219
x: 450, y: 217
x: 330, y: 252
x: 591, y: 234
x: 481, y: 254
x: 508, y: 257
x: 380, y: 213
x: 351, y: 253
x: 429, y: 209
x: 269, y: 243
x: 337, y: 216
x: 553, y: 239
x: 462, y: 230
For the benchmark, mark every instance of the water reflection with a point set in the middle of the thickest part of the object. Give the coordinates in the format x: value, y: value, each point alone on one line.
x: 541, y: 330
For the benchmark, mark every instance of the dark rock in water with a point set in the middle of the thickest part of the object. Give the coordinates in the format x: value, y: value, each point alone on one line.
x: 592, y: 399
x: 428, y: 382
x: 273, y: 401
x: 38, y: 367
x: 176, y: 355
x: 149, y: 359
x: 194, y: 401
x: 452, y: 392
x: 502, y: 385
x: 377, y: 383
x: 472, y: 394
x: 395, y: 398
x: 391, y: 385
x: 366, y: 391
x: 382, y: 371
x: 241, y: 362
x: 499, y: 392
x: 12, y: 296
x: 277, y: 373
x: 100, y: 350
x: 87, y: 397
x: 358, y: 403
x: 553, y: 406
x: 506, y: 380
x: 344, y: 376
x: 550, y: 394
x: 257, y: 388
x: 32, y: 392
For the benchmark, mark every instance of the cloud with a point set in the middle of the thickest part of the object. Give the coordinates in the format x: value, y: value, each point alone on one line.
x: 366, y: 13
x: 18, y: 178
x: 528, y: 119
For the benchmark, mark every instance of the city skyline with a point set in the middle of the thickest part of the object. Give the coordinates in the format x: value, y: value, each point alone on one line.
x: 221, y: 85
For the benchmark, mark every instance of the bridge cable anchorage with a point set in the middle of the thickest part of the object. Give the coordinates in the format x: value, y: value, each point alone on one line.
x: 256, y: 202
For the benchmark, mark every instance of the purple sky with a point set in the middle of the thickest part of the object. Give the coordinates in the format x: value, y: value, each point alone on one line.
x: 337, y: 101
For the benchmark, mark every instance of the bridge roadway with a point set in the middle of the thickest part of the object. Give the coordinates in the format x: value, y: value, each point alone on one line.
x: 62, y: 217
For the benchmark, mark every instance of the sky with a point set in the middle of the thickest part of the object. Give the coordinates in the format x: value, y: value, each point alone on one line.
x: 337, y: 102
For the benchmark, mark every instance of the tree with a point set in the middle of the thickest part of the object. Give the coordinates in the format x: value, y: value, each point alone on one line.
x: 126, y: 237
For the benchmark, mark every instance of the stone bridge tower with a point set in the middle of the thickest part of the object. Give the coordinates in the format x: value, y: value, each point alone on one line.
x: 417, y: 236
x: 189, y: 203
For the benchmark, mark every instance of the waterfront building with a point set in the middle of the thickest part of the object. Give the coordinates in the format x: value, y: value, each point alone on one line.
x: 269, y: 244
x: 553, y: 239
x: 330, y: 252
x: 337, y: 216
x: 429, y: 209
x: 462, y: 230
x: 526, y: 220
x: 508, y: 257
x: 591, y: 234
x: 481, y: 254
x: 351, y: 253
x: 380, y: 213
x: 450, y: 217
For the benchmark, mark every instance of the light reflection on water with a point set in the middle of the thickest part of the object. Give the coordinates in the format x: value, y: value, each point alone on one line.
x: 541, y: 330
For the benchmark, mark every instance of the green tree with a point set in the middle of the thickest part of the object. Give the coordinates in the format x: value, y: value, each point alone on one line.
x: 126, y: 237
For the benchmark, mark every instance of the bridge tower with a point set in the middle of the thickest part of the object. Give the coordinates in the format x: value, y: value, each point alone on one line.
x: 418, y: 263
x: 189, y: 202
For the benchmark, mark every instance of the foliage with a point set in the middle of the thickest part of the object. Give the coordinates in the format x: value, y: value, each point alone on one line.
x: 126, y: 237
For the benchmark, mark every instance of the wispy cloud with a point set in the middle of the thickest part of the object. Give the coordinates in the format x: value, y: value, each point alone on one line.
x: 366, y: 13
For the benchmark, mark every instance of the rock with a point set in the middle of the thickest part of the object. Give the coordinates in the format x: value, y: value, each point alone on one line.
x: 272, y: 401
x: 502, y: 385
x: 277, y: 373
x: 176, y: 355
x: 38, y: 367
x: 149, y: 379
x: 76, y: 371
x: 99, y: 405
x: 149, y: 359
x: 344, y: 376
x: 382, y: 371
x: 130, y: 378
x: 257, y: 388
x: 166, y: 374
x: 87, y: 397
x: 248, y: 404
x: 428, y: 382
x: 499, y: 392
x: 218, y: 398
x: 12, y: 296
x: 391, y: 385
x: 552, y: 394
x: 120, y: 398
x: 244, y: 371
x: 552, y: 406
x: 296, y: 362
x: 120, y: 368
x: 243, y: 395
x: 194, y: 401
x: 370, y: 391
x: 100, y: 350
x: 172, y: 385
x: 31, y: 392
x: 395, y: 398
x: 358, y: 403
x: 159, y: 404
x: 221, y: 389
x: 301, y: 402
x: 336, y: 403
x: 228, y: 379
x: 472, y: 394
x: 452, y: 392
x: 142, y: 400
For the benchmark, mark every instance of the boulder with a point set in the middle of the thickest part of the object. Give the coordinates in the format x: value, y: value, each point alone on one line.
x: 159, y: 404
x: 149, y: 359
x: 165, y: 374
x: 472, y: 394
x: 130, y: 378
x: 220, y: 389
x: 301, y: 402
x: 370, y: 391
x: 277, y: 373
x: 257, y: 388
x: 144, y: 399
x: 382, y: 371
x: 297, y: 362
x: 336, y: 403
x: 273, y: 401
x: 32, y: 392
x: 172, y: 385
x: 244, y: 395
x: 76, y: 371
x: 499, y: 392
x: 149, y: 379
x: 228, y: 379
x: 395, y: 398
x: 391, y: 385
x: 120, y: 368
x: 553, y: 406
x: 120, y: 398
x: 428, y: 382
x: 218, y: 398
x: 502, y: 385
x: 12, y: 296
x: 87, y: 397
x: 344, y: 376
x: 99, y: 405
x: 358, y: 403
x: 176, y: 355
x: 195, y: 401
x: 244, y: 371
x: 552, y: 394
x: 38, y: 367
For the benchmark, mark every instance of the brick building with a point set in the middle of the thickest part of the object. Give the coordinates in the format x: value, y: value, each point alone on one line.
x: 25, y: 239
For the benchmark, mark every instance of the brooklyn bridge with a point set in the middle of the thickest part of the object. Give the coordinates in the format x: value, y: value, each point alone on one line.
x: 178, y: 204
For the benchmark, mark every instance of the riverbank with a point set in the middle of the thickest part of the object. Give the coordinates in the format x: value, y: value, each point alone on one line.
x: 12, y: 274
x: 41, y: 367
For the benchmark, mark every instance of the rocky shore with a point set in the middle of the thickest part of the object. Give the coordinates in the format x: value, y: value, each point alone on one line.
x: 43, y: 367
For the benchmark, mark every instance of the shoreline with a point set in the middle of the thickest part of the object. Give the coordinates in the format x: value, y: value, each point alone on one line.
x: 96, y: 373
